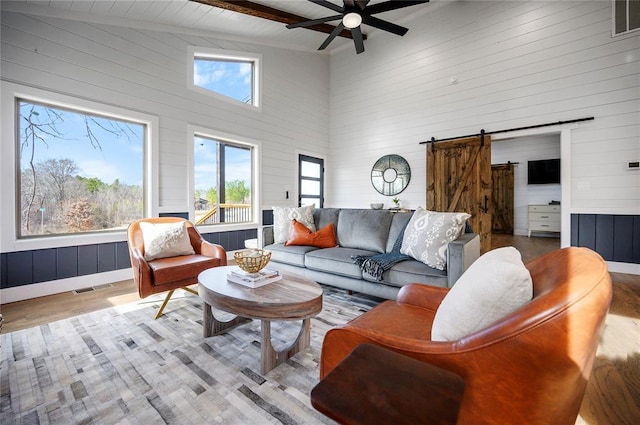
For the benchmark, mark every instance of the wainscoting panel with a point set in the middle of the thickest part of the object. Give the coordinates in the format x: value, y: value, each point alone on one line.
x: 615, y: 237
x: 43, y: 265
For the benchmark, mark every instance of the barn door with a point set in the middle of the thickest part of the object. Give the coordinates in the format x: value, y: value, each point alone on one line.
x: 502, y: 204
x: 459, y: 179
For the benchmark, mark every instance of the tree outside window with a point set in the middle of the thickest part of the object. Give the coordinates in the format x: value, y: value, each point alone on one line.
x: 222, y: 181
x: 79, y: 172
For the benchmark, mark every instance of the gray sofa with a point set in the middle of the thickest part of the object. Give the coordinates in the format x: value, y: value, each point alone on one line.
x: 366, y: 232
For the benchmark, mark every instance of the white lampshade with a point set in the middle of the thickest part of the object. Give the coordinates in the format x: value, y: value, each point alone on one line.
x: 351, y: 20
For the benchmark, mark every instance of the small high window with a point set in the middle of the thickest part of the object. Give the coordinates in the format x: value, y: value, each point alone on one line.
x: 626, y: 16
x: 231, y: 75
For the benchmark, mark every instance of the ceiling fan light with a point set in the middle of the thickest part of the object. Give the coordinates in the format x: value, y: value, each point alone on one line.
x: 351, y: 20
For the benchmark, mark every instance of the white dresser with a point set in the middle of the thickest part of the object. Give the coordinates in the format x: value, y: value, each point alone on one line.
x: 544, y: 218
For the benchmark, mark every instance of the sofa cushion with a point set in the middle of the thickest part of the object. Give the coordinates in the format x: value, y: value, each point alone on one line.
x: 496, y: 284
x: 282, y: 217
x: 428, y: 234
x: 398, y: 222
x: 300, y: 235
x: 335, y: 260
x: 293, y: 255
x: 324, y: 216
x: 411, y: 271
x: 364, y: 229
x: 162, y: 240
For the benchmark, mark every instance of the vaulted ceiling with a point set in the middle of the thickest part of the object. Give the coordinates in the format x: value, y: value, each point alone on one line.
x: 231, y: 20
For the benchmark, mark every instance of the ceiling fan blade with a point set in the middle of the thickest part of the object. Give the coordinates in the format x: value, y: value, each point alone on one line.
x: 357, y: 39
x: 393, y: 5
x: 384, y: 25
x: 328, y: 5
x: 333, y: 35
x: 314, y: 22
x: 362, y: 3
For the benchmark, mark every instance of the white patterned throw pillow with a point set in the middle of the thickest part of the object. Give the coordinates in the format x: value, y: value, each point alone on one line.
x: 429, y: 232
x: 495, y: 285
x: 282, y: 220
x: 163, y: 240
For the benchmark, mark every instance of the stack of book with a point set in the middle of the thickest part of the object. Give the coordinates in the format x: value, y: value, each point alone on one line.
x: 253, y: 280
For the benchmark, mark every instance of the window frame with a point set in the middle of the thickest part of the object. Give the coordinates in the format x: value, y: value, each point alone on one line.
x: 10, y: 166
x: 256, y: 148
x: 613, y: 20
x: 227, y: 56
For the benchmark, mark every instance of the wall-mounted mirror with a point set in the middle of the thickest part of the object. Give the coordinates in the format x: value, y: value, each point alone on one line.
x: 390, y: 175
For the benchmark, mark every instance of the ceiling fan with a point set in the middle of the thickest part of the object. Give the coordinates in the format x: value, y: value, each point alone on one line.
x: 354, y: 13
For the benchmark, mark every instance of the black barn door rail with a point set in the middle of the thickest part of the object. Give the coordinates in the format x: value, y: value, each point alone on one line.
x: 482, y: 132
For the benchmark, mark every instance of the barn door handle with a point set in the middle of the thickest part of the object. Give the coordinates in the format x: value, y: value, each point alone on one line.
x: 485, y: 209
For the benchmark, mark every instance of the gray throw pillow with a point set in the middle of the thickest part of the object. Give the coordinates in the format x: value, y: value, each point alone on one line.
x: 282, y: 219
x: 429, y: 232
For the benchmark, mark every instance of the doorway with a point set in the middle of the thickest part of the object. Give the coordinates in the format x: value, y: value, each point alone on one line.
x: 310, y: 181
x: 518, y: 151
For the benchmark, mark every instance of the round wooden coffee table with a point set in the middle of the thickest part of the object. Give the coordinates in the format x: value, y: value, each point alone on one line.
x: 291, y: 298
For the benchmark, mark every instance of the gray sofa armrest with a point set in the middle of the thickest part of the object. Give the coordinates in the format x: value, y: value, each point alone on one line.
x: 461, y: 253
x: 265, y: 236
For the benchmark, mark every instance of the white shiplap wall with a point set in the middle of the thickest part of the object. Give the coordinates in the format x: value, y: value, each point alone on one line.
x: 517, y: 64
x: 146, y: 71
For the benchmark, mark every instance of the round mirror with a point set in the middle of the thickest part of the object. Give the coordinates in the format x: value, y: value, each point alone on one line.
x: 390, y: 175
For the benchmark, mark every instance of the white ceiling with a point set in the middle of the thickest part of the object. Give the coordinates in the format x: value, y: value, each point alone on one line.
x: 193, y: 17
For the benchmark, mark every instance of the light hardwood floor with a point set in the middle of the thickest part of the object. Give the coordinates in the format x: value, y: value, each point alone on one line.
x: 613, y: 393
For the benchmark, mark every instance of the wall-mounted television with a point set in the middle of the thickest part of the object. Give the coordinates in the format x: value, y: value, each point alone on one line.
x: 544, y: 171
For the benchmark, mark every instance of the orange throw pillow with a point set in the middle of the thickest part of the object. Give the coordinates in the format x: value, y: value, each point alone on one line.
x: 300, y: 235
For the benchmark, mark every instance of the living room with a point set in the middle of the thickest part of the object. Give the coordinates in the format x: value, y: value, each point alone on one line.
x: 515, y: 63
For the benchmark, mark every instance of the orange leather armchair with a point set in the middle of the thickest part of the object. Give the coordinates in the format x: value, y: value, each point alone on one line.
x: 169, y: 274
x: 530, y: 367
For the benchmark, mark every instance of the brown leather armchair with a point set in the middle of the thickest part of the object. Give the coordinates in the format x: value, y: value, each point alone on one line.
x: 169, y: 274
x: 530, y: 367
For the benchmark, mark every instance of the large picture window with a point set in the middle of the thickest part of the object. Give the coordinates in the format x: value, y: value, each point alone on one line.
x: 223, y: 181
x: 79, y: 172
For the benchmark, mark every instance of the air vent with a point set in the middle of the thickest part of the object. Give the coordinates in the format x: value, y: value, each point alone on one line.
x: 91, y: 289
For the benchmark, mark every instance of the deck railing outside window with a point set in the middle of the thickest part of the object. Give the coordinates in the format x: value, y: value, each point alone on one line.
x: 228, y: 213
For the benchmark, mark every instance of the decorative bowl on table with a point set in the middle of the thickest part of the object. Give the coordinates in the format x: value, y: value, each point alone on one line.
x: 377, y: 206
x: 252, y: 260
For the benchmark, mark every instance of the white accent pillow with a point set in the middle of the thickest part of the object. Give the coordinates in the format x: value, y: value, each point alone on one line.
x: 493, y: 286
x: 163, y: 240
x: 282, y: 221
x: 429, y: 232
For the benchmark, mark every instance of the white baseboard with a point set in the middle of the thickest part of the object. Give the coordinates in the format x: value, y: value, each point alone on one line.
x: 25, y: 292
x: 627, y: 268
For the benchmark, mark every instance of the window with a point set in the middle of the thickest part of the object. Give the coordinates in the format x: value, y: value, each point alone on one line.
x: 626, y: 16
x: 231, y: 75
x: 311, y: 181
x: 79, y: 171
x: 223, y: 181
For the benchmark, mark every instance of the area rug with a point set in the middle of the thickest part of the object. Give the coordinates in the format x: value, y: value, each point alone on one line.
x: 120, y: 366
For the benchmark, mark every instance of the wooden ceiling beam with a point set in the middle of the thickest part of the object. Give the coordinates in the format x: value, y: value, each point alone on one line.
x: 271, y: 14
